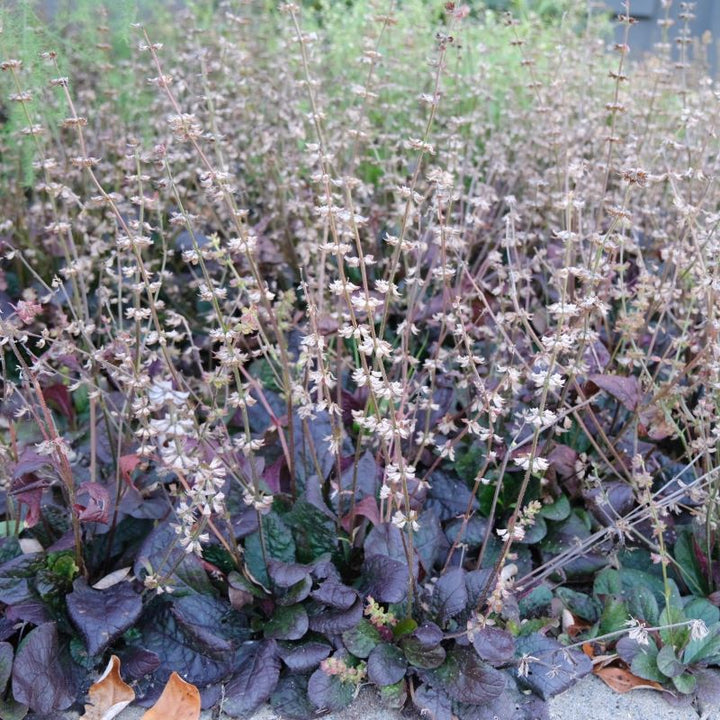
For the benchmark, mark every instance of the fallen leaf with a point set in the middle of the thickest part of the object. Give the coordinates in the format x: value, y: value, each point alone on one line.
x: 622, y: 681
x: 180, y: 700
x: 112, y: 578
x: 30, y: 545
x: 110, y: 695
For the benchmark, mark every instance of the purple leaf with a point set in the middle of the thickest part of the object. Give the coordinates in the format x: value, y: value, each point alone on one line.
x: 102, y: 616
x: 466, y: 678
x: 161, y: 554
x: 137, y: 662
x: 386, y: 665
x: 494, y: 645
x: 172, y: 640
x: 362, y: 479
x: 271, y: 474
x: 422, y: 656
x: 287, y: 623
x: 329, y: 692
x: 596, y: 357
x: 290, y: 698
x: 295, y: 593
x: 253, y: 684
x: 206, y: 620
x: 385, y: 579
x: 449, y: 496
x: 41, y: 676
x: 6, y: 663
x: 625, y: 389
x: 554, y: 669
x: 433, y: 703
x: 614, y: 499
x: 286, y: 574
x: 304, y: 657
x: 32, y: 611
x: 331, y: 621
x: 563, y: 459
x: 30, y: 462
x: 368, y: 508
x: 335, y: 594
x: 449, y: 596
x: 362, y: 639
x: 429, y: 541
x: 428, y: 635
x: 15, y: 578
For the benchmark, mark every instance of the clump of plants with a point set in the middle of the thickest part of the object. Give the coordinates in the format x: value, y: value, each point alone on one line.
x: 336, y: 353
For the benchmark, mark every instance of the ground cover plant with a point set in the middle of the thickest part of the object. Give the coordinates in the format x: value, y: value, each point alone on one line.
x: 373, y: 343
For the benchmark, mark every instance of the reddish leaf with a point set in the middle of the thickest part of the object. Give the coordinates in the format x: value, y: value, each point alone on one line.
x: 563, y: 459
x: 58, y: 396
x: 98, y: 505
x: 367, y: 507
x: 110, y: 695
x: 625, y: 389
x: 180, y: 700
x: 127, y: 464
x: 28, y: 489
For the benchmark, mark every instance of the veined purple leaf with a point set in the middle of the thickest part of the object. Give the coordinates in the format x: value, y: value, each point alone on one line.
x: 331, y: 621
x: 385, y: 579
x: 466, y: 678
x: 253, y: 684
x: 286, y: 574
x: 305, y: 656
x: 41, y: 677
x: 554, y: 667
x: 495, y: 645
x: 333, y: 593
x: 449, y: 595
x: 386, y: 665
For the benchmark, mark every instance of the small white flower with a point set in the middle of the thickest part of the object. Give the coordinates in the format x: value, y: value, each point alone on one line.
x: 539, y: 465
x: 637, y: 632
x: 698, y: 630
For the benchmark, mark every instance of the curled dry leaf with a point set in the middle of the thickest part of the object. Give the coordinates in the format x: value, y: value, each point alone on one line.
x: 180, y: 700
x: 110, y: 695
x: 622, y: 680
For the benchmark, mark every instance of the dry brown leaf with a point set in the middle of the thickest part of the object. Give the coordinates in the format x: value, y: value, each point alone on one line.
x: 110, y: 695
x: 180, y: 700
x: 622, y: 681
